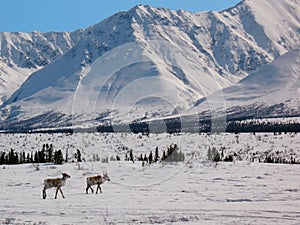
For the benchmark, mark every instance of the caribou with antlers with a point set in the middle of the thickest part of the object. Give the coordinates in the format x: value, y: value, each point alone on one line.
x: 96, y: 180
x: 55, y: 182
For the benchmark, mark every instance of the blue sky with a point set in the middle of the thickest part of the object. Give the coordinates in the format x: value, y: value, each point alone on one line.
x: 69, y: 15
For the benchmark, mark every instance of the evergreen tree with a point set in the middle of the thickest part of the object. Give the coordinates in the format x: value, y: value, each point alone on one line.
x: 67, y: 156
x: 145, y: 158
x: 7, y: 158
x: 150, y: 158
x: 173, y: 155
x: 22, y: 157
x: 49, y: 153
x: 14, y: 157
x: 2, y: 158
x: 41, y: 156
x: 28, y: 158
x: 156, y: 157
x: 58, y: 157
x: 141, y: 158
x: 131, y: 156
x: 31, y: 157
x: 78, y: 155
x: 163, y: 156
x: 36, y: 157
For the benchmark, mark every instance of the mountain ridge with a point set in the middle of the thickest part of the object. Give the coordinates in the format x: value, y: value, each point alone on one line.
x: 22, y: 54
x: 199, y: 53
x: 275, y: 84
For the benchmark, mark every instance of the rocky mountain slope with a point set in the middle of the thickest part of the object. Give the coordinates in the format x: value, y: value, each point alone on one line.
x: 24, y: 53
x: 272, y: 91
x: 147, y: 63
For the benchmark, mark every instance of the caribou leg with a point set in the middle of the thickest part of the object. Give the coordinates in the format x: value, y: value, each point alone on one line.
x: 61, y: 192
x: 87, y: 189
x: 44, y: 193
x: 98, y: 187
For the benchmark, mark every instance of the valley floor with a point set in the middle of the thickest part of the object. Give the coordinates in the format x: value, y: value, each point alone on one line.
x: 197, y: 191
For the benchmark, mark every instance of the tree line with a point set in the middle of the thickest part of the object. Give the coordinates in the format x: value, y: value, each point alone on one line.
x: 172, y: 154
x: 46, y: 155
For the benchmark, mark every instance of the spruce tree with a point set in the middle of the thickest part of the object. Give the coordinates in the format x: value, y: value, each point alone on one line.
x: 2, y: 158
x: 131, y: 156
x: 36, y: 157
x: 58, y: 157
x: 28, y: 158
x: 41, y: 156
x: 156, y: 157
x: 141, y: 157
x: 145, y: 158
x: 163, y: 156
x: 50, y: 152
x: 78, y: 155
x: 67, y: 156
x: 150, y: 158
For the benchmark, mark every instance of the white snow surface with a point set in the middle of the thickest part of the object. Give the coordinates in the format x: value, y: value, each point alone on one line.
x: 275, y: 83
x: 196, y: 191
x: 21, y: 54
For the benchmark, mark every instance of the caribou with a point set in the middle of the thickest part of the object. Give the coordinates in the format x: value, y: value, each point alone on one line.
x: 55, y: 182
x: 96, y: 180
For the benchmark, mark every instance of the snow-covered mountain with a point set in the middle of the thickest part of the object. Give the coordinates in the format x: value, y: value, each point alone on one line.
x: 147, y: 63
x: 272, y: 91
x: 24, y: 53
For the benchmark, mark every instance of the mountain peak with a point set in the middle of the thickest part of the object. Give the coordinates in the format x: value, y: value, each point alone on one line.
x: 143, y: 11
x: 141, y: 7
x: 188, y: 49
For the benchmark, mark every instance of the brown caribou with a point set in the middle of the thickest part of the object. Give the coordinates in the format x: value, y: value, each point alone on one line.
x: 96, y: 180
x: 55, y: 182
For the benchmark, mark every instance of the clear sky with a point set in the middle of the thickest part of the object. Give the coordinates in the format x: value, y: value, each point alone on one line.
x: 69, y: 15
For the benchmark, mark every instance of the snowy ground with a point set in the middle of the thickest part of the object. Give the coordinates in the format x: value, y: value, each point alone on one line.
x: 194, y: 192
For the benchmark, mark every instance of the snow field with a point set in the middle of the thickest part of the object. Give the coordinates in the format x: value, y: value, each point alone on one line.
x: 194, y: 192
x: 200, y: 193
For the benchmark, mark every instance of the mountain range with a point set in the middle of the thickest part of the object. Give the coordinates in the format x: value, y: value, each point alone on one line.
x: 153, y: 63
